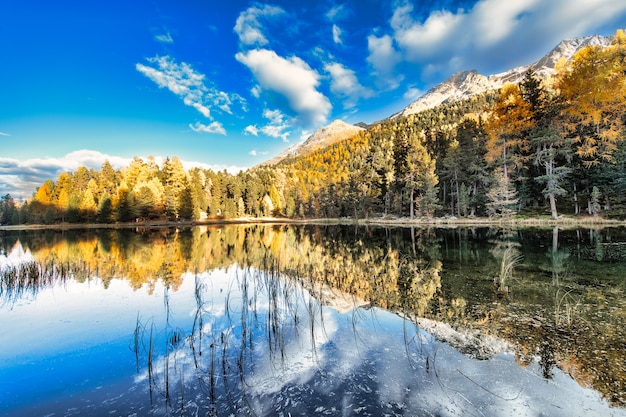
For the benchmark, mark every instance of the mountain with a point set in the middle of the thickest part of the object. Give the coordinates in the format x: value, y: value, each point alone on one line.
x: 459, y: 86
x: 468, y: 83
x: 323, y: 137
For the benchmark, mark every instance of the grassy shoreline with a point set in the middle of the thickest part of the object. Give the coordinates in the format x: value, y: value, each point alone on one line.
x: 585, y: 222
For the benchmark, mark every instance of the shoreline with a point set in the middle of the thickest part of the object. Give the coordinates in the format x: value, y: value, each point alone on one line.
x: 584, y: 222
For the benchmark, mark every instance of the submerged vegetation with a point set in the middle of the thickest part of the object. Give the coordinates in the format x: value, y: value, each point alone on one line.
x: 541, y: 147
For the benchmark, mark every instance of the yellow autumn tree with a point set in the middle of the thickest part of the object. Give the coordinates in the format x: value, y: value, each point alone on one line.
x: 44, y: 193
x: 506, y: 126
x: 87, y: 206
x: 593, y: 89
x: 509, y: 119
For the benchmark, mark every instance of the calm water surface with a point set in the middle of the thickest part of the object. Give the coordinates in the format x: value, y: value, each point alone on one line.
x: 278, y: 320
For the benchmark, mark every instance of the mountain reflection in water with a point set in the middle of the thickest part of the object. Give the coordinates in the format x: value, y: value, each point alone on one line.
x: 302, y: 320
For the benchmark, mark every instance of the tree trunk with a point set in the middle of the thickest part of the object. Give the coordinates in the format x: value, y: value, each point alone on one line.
x: 451, y: 200
x: 386, y: 203
x: 458, y: 194
x: 553, y: 211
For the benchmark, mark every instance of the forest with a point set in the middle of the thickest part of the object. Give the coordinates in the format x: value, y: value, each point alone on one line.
x: 543, y: 147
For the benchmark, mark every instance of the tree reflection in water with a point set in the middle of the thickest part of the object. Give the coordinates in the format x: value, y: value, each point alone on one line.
x: 275, y: 333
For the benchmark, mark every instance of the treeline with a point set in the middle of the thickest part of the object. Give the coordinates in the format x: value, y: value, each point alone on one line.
x: 145, y: 191
x: 542, y: 146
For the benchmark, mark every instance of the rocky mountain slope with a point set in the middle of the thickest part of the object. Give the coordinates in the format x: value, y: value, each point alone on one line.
x: 468, y: 83
x: 325, y: 136
x: 459, y: 86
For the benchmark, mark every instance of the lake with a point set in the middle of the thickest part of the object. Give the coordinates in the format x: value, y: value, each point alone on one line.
x: 287, y: 320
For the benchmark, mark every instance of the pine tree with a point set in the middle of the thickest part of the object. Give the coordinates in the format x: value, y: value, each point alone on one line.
x: 186, y: 206
x: 8, y: 210
x: 105, y: 209
x: 107, y: 179
x: 427, y: 200
x: 125, y: 210
x: 548, y: 140
x: 594, y: 205
x: 173, y: 178
x: 502, y: 197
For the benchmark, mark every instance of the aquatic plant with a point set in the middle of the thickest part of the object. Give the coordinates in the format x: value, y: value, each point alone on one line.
x: 565, y: 308
x: 510, y: 259
x: 29, y: 277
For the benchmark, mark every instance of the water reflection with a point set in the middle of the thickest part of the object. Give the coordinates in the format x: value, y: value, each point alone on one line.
x: 265, y: 346
x: 264, y: 320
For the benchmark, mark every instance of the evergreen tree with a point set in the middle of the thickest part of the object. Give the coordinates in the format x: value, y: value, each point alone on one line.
x: 594, y: 206
x: 125, y: 208
x: 105, y: 210
x: 215, y: 194
x: 548, y: 140
x: 173, y: 178
x: 145, y: 201
x: 186, y: 206
x: 502, y: 197
x: 198, y: 184
x: 8, y: 210
x: 107, y: 179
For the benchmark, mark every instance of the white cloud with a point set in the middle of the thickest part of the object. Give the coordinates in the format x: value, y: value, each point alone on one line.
x: 493, y: 35
x: 225, y: 101
x: 345, y: 84
x: 251, y: 130
x: 4, y: 134
x: 190, y: 85
x: 232, y: 169
x: 95, y: 159
x: 383, y: 58
x: 248, y: 26
x: 337, y: 35
x: 274, y: 116
x: 277, y: 125
x: 256, y: 91
x: 164, y: 38
x: 420, y: 40
x: 412, y: 94
x: 291, y: 78
x: 496, y: 20
x: 254, y: 152
x: 214, y: 127
x: 336, y: 12
x: 180, y: 79
x: 276, y: 131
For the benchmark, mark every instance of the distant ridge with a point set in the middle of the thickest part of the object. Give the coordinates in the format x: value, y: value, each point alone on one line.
x: 321, y: 138
x: 466, y: 84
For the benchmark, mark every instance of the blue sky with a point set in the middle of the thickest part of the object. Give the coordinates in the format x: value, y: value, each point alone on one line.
x: 228, y: 84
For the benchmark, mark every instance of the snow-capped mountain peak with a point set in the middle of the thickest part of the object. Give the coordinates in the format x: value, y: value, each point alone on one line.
x: 465, y: 84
